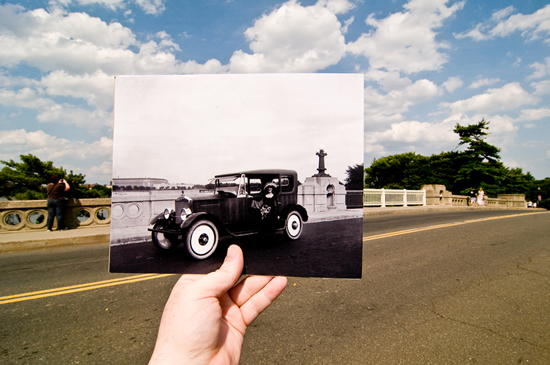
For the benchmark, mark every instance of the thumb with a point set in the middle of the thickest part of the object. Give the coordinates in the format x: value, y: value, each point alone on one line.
x: 220, y: 281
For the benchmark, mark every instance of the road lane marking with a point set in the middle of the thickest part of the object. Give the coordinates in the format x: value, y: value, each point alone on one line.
x: 78, y: 288
x: 133, y: 279
x: 414, y: 230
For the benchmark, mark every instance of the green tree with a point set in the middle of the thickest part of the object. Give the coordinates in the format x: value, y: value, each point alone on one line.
x: 394, y: 172
x: 540, y: 188
x: 516, y: 182
x: 27, y: 180
x: 480, y: 164
x: 444, y: 167
x: 355, y: 178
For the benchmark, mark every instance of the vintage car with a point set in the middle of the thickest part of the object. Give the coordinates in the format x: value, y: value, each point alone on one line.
x: 238, y: 204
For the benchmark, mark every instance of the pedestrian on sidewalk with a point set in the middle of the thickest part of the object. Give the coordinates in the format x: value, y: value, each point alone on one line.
x: 473, y: 197
x: 480, y: 196
x: 56, y: 201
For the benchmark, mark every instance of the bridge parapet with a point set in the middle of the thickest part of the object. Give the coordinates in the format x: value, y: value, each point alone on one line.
x: 27, y: 215
x: 438, y: 195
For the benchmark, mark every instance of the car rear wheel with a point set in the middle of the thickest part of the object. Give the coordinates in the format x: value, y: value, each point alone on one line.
x: 164, y: 241
x: 293, y: 225
x: 202, y: 239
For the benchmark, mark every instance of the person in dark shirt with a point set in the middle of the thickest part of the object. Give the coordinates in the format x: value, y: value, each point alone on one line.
x: 56, y: 201
x: 473, y: 197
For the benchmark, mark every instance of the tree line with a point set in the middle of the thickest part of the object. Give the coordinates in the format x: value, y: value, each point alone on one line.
x: 27, y: 180
x: 477, y: 166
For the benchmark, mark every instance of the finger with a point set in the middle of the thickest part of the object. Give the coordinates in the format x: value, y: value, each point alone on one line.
x: 260, y: 301
x: 220, y: 281
x: 243, y: 291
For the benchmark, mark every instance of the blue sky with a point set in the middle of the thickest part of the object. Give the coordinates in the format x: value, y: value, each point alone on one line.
x: 427, y: 65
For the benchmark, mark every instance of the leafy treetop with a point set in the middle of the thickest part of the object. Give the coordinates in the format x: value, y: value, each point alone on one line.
x: 26, y: 180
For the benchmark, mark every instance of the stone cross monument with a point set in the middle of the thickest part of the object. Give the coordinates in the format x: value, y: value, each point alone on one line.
x: 322, y: 192
x: 321, y: 168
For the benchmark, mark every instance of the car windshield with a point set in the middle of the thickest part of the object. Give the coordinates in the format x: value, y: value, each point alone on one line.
x: 228, y: 184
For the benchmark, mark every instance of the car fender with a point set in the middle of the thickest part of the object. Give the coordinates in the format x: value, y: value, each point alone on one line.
x: 201, y: 215
x: 297, y: 207
x: 156, y: 218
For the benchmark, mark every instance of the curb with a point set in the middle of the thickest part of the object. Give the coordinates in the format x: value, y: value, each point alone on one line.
x: 26, y: 241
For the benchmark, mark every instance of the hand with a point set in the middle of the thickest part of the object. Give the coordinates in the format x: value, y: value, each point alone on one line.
x: 205, y: 318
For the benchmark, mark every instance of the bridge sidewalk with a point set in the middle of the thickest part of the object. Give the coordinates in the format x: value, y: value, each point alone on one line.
x: 32, y: 240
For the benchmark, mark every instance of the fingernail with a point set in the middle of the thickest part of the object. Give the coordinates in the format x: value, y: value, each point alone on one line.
x: 231, y: 253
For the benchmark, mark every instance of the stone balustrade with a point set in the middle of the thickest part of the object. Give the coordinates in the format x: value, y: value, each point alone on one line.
x: 135, y: 209
x: 393, y: 197
x: 25, y: 215
x: 438, y: 195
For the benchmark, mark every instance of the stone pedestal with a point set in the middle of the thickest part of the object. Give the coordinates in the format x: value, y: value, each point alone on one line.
x: 322, y: 194
x: 437, y: 195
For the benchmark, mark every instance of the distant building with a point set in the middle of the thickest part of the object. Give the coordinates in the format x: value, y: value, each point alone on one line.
x: 146, y: 182
x: 149, y: 183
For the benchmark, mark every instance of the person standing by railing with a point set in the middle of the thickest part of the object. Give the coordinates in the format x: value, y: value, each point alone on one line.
x: 480, y: 197
x: 56, y: 201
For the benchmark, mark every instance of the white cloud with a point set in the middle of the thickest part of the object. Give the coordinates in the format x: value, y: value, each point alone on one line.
x: 347, y: 23
x: 23, y: 98
x: 533, y: 114
x: 541, y: 88
x: 541, y: 69
x: 476, y: 34
x: 337, y: 6
x: 483, y: 82
x: 49, y: 111
x: 292, y: 38
x: 78, y: 55
x: 105, y: 168
x: 16, y: 142
x: 154, y: 7
x: 381, y: 109
x: 388, y: 80
x: 502, y: 24
x: 508, y: 97
x: 96, y: 89
x: 111, y: 4
x: 69, y: 114
x: 415, y: 132
x: 452, y: 84
x: 406, y: 41
x: 81, y: 44
x: 422, y: 137
x: 532, y: 26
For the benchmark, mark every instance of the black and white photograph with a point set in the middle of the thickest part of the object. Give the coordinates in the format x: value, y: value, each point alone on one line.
x: 263, y: 161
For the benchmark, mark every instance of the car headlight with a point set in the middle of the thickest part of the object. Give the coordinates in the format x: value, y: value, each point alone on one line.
x: 166, y: 214
x: 184, y: 213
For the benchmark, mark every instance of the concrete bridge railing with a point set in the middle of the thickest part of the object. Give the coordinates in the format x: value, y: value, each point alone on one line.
x: 135, y: 209
x: 25, y: 215
x: 438, y: 195
x: 393, y: 197
x: 435, y: 195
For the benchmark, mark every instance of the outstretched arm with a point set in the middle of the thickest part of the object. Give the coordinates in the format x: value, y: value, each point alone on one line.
x: 206, y: 316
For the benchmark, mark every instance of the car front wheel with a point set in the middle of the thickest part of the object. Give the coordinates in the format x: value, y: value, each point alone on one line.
x: 202, y: 239
x: 293, y: 225
x: 164, y: 241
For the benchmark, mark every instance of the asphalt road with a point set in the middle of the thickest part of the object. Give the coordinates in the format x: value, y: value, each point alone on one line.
x: 320, y: 246
x: 435, y: 290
